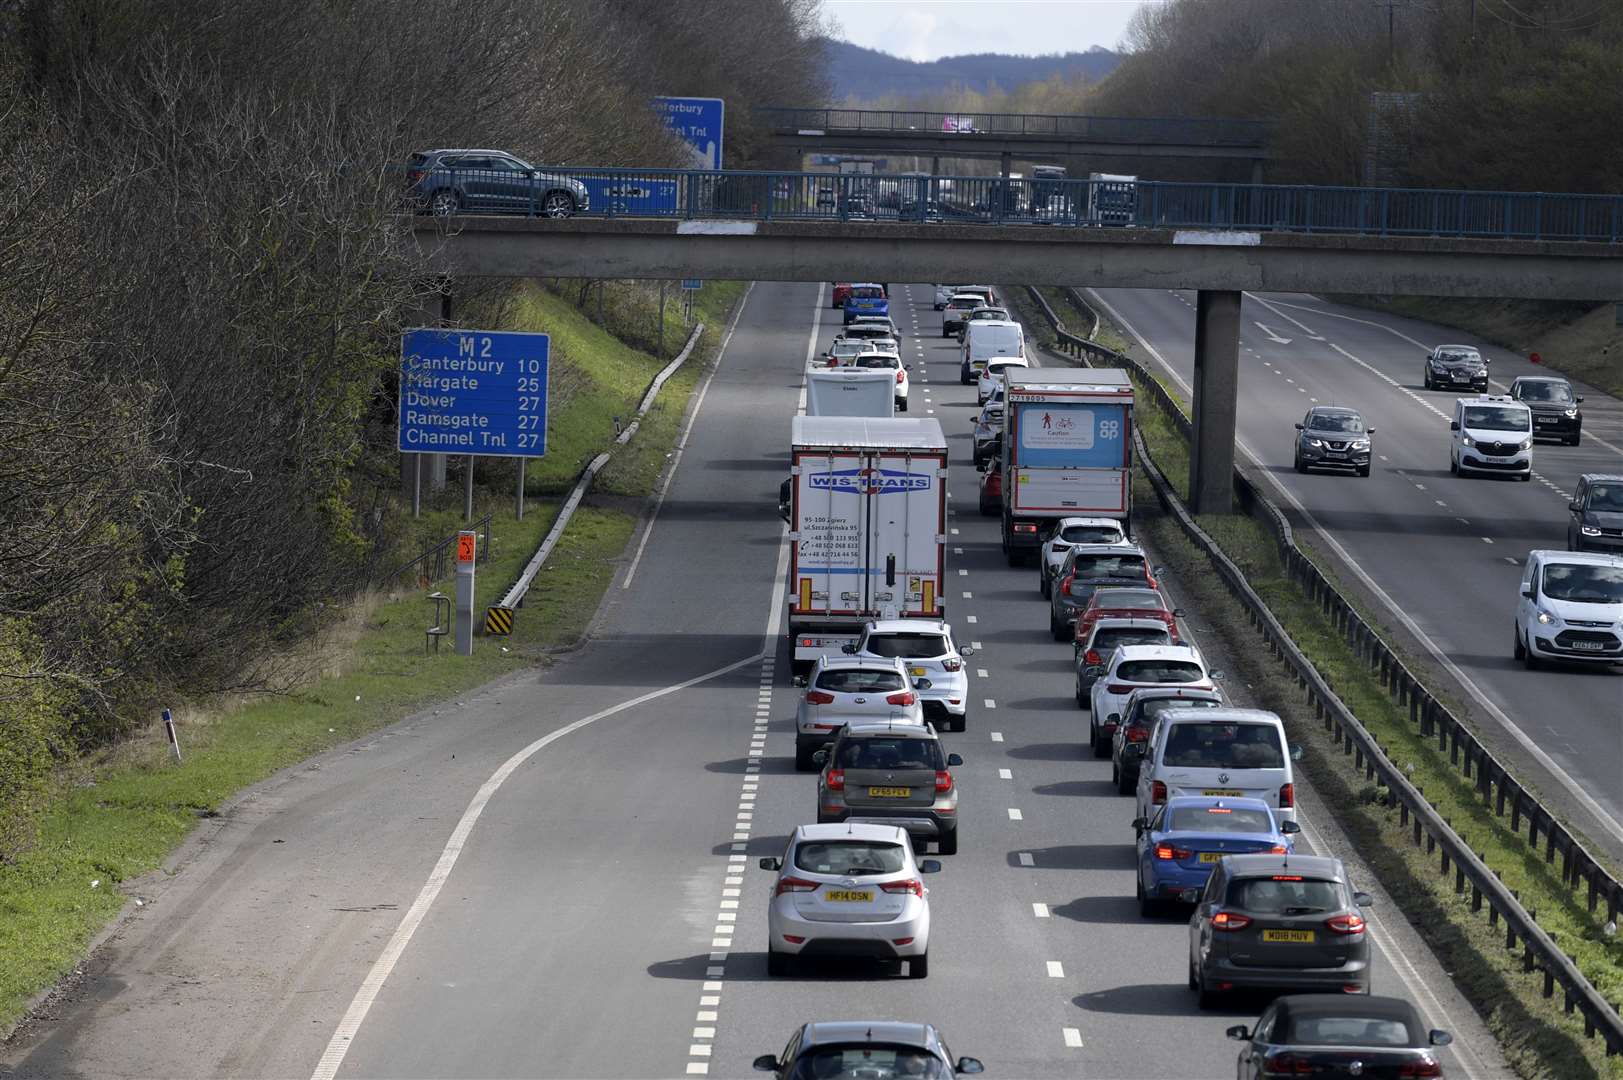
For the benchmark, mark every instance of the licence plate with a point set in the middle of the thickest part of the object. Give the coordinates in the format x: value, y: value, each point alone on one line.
x: 1210, y: 856
x: 1223, y: 791
x: 849, y: 896
x: 916, y: 672
x: 1335, y: 455
x: 1588, y: 646
x: 1294, y: 937
x: 889, y: 792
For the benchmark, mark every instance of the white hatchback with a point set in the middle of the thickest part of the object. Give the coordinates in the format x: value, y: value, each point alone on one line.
x: 850, y: 890
x: 1133, y: 667
x: 891, y: 362
x: 992, y: 375
x: 1229, y: 752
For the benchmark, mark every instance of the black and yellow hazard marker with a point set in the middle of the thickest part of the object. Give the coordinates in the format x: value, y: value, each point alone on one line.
x: 499, y: 620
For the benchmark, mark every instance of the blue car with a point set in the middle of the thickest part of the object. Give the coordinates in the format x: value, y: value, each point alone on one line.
x: 866, y: 298
x: 1180, y: 844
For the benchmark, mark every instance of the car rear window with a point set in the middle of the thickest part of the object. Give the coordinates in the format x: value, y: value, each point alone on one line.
x: 1285, y: 894
x: 886, y: 361
x: 889, y: 752
x: 849, y: 857
x: 909, y: 646
x: 1129, y: 598
x: 868, y: 294
x: 868, y: 1061
x: 1090, y: 534
x: 1223, y: 819
x: 1159, y: 671
x: 1109, y: 566
x: 963, y: 305
x: 1154, y: 707
x: 1348, y: 1031
x: 857, y: 681
x: 1218, y: 745
x: 1112, y: 637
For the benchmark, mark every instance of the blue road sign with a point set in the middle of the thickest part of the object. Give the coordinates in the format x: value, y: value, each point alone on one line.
x: 478, y: 392
x: 692, y: 284
x: 699, y: 122
x: 630, y: 195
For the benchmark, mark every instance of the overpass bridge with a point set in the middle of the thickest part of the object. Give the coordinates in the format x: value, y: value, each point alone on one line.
x: 1217, y: 239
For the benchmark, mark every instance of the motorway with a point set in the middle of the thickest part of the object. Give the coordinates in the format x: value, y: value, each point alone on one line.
x: 555, y: 876
x: 1445, y: 551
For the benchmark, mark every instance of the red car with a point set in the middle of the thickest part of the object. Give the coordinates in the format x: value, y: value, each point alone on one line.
x: 992, y: 490
x: 842, y: 293
x: 1126, y: 603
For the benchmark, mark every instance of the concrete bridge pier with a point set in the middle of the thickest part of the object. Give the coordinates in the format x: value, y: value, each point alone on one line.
x: 1216, y: 387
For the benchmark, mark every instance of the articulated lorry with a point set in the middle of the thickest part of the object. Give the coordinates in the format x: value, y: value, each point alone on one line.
x: 1112, y: 199
x: 867, y: 514
x: 1067, y: 451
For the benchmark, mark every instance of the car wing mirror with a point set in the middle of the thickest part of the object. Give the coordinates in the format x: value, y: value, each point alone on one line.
x: 1239, y: 1031
x: 1287, y: 827
x: 1296, y: 751
x: 1453, y: 425
x: 1573, y: 505
x: 966, y: 652
x: 1177, y: 613
x: 1363, y: 899
x: 1577, y: 400
x: 1300, y: 427
x: 799, y: 680
x: 1370, y: 431
x: 766, y: 1063
x: 849, y: 648
x: 1113, y: 718
x: 930, y: 866
x: 1529, y: 592
x: 820, y: 757
x: 954, y: 760
x: 969, y: 1066
x: 770, y: 863
x: 1440, y: 1037
x: 1158, y: 570
x: 1216, y: 673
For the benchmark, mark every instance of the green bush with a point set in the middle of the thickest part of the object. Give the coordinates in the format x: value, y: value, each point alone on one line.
x: 33, y: 735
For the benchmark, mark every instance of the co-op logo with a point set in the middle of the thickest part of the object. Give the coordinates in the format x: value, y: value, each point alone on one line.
x: 870, y: 481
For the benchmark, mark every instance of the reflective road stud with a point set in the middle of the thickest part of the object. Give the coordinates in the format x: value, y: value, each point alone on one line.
x: 466, y: 547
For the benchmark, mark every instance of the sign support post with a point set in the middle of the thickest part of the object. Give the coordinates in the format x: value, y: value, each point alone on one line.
x: 466, y: 549
x: 467, y: 492
x: 518, y: 504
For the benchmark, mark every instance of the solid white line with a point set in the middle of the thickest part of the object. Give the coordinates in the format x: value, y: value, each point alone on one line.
x: 1572, y: 787
x: 670, y: 474
x: 344, y: 1034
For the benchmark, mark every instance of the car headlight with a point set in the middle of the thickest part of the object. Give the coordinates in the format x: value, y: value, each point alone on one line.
x: 1525, y: 444
x: 1545, y: 618
x: 1467, y: 440
x: 1572, y: 414
x: 1589, y: 530
x: 1361, y: 444
x: 1315, y: 444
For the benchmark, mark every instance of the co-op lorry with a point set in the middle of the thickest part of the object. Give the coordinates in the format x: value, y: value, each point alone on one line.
x: 867, y: 513
x: 1066, y: 451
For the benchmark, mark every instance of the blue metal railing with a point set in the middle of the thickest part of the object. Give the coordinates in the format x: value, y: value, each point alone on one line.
x: 1157, y: 130
x: 882, y: 198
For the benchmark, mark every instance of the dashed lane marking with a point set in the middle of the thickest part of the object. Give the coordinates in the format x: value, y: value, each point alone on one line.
x: 1073, y: 1037
x: 981, y: 672
x: 1056, y: 970
x: 1015, y: 815
x: 991, y: 704
x: 1024, y: 859
x: 1005, y: 774
x: 1040, y: 910
x: 997, y: 736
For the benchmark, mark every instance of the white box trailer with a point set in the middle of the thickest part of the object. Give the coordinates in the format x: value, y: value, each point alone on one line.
x: 868, y: 527
x: 1067, y: 450
x: 850, y: 392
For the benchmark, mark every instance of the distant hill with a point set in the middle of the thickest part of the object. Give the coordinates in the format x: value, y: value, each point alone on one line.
x: 867, y: 74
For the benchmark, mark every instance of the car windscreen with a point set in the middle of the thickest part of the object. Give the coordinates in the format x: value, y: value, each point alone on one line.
x: 1343, y: 422
x: 859, y: 681
x: 889, y: 752
x: 1458, y: 356
x: 909, y: 646
x: 847, y: 856
x: 1219, y: 745
x: 866, y: 332
x: 1581, y: 583
x: 1137, y: 599
x: 868, y: 1061
x: 1605, y: 497
x: 1348, y: 1031
x: 1107, y: 638
x: 1129, y: 565
x: 1544, y: 391
x: 1223, y: 819
x: 1497, y: 418
x: 1090, y: 534
x: 1285, y: 894
x: 1159, y: 671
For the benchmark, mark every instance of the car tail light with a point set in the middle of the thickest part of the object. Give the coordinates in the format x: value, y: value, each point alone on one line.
x: 1288, y: 1064
x: 818, y: 697
x: 413, y: 175
x: 953, y: 664
x: 901, y: 941
x: 794, y: 939
x: 1351, y: 923
x: 1158, y: 792
x: 1120, y: 688
x: 1425, y: 1067
x: 1026, y: 528
x: 1065, y: 586
x: 1136, y: 733
x: 1167, y: 852
x: 906, y: 697
x: 1091, y: 656
x: 900, y: 375
x: 912, y: 885
x: 1279, y: 849
x: 836, y: 780
x: 1287, y: 796
x: 1228, y: 920
x: 943, y: 781
x: 794, y: 884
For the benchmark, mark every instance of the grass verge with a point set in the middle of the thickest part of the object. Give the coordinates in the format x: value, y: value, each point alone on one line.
x: 123, y: 811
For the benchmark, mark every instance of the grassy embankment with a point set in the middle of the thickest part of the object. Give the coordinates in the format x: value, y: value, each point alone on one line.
x: 1537, y: 1038
x: 123, y: 812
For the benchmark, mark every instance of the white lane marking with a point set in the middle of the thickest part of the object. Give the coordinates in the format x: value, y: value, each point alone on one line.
x: 344, y: 1035
x: 1487, y: 539
x: 990, y: 703
x: 1440, y: 502
x: 955, y: 532
x: 698, y: 1068
x: 1573, y: 788
x: 704, y: 1033
x: 957, y: 551
x: 969, y: 596
x: 1005, y: 774
x: 980, y: 671
x: 1055, y: 970
x: 1015, y: 815
x: 1073, y: 1037
x: 963, y: 573
x: 1273, y: 337
x: 969, y: 618
x: 997, y: 736
x: 687, y: 432
x: 1024, y: 859
x: 1511, y: 559
x: 975, y: 645
x: 1040, y: 910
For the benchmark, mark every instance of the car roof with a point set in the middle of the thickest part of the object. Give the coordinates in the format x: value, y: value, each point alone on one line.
x: 469, y: 150
x: 907, y: 626
x: 1128, y: 548
x: 1491, y: 399
x: 1128, y: 622
x: 1541, y: 378
x: 1591, y: 477
x: 855, y: 830
x: 1580, y: 558
x: 1101, y: 598
x: 968, y: 296
x: 823, y: 1032
x: 845, y: 663
x: 1334, y: 410
x: 1456, y: 348
x: 913, y: 729
x: 1228, y: 713
x: 1065, y: 521
x: 1264, y: 864
x: 996, y: 322
x: 866, y: 285
x: 1382, y: 1008
x: 1157, y: 652
x: 1147, y: 693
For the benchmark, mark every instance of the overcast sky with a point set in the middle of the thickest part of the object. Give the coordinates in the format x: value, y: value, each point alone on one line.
x: 930, y: 29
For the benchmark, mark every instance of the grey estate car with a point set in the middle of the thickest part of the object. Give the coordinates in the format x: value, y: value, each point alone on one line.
x: 444, y: 182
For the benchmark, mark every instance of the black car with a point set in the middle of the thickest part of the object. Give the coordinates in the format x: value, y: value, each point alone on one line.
x: 1555, y: 407
x: 1456, y: 367
x: 1325, y: 1036
x: 445, y: 182
x: 866, y: 1048
x: 1595, y: 515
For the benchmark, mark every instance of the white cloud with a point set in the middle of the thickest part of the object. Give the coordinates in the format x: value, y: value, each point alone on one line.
x: 930, y: 29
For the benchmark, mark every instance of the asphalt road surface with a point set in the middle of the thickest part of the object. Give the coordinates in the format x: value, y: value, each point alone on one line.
x: 556, y: 876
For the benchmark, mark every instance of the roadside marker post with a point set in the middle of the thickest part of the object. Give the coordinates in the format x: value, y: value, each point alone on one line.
x: 169, y: 730
x: 466, y: 548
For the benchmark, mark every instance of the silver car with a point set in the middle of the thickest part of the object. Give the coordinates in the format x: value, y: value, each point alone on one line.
x: 1330, y: 437
x: 842, y: 688
x: 883, y: 322
x: 988, y: 428
x: 849, y: 890
x: 926, y: 646
x: 1066, y: 533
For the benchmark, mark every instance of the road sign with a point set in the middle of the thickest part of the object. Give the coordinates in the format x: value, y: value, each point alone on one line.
x: 498, y: 621
x: 478, y: 392
x: 630, y: 194
x: 466, y: 546
x: 465, y: 542
x: 692, y: 284
x: 699, y: 122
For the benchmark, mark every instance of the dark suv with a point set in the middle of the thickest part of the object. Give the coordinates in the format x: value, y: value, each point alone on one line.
x: 892, y: 774
x: 1595, y: 515
x: 1451, y: 367
x: 1555, y: 407
x: 444, y: 182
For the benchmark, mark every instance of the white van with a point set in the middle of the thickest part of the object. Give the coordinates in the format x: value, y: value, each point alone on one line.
x: 1491, y: 434
x: 984, y: 339
x: 1233, y: 752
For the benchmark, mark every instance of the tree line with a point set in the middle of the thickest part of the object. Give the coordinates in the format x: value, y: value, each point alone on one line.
x: 203, y: 275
